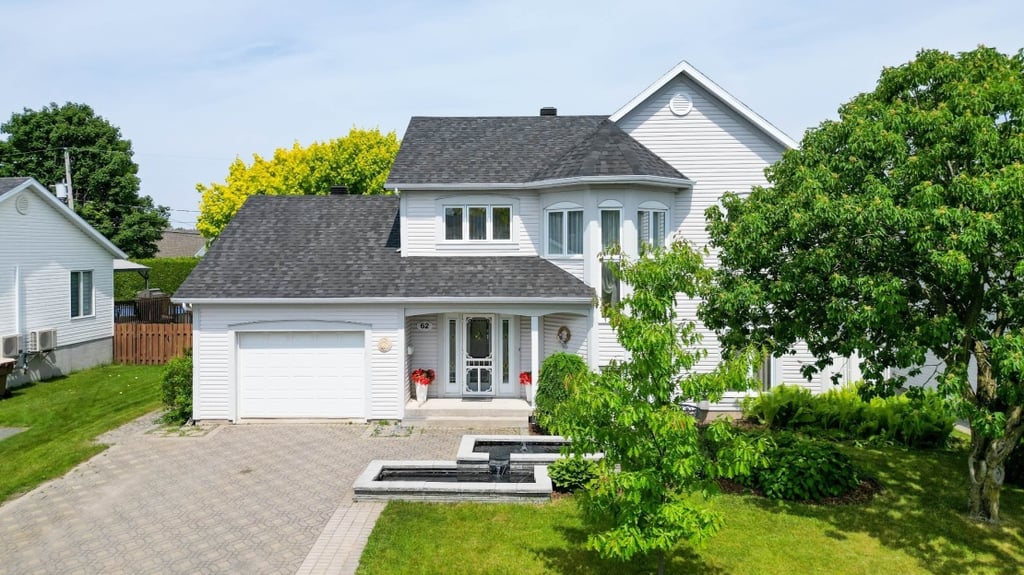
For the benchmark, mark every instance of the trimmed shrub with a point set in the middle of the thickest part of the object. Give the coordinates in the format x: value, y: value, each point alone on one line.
x: 570, y: 474
x: 164, y: 273
x: 553, y: 384
x: 177, y: 389
x: 805, y: 470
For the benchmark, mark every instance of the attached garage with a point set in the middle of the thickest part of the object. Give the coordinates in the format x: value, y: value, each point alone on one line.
x: 301, y: 374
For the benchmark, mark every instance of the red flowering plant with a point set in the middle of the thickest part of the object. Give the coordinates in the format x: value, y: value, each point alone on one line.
x: 422, y: 376
x: 525, y: 378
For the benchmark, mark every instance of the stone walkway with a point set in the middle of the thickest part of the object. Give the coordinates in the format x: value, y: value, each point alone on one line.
x: 260, y: 498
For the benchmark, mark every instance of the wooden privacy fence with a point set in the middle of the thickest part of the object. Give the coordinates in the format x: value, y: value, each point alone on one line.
x: 150, y: 343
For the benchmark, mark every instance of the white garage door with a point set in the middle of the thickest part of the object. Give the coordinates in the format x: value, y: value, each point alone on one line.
x: 301, y: 374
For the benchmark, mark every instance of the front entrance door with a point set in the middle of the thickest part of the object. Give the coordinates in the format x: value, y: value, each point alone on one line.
x: 478, y: 355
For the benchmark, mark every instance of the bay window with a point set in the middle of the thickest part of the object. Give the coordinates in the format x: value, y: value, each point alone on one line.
x: 611, y: 224
x: 565, y: 232
x: 650, y: 225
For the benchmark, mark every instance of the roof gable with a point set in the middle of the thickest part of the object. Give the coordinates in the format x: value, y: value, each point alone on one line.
x: 520, y: 150
x: 9, y: 188
x: 715, y: 90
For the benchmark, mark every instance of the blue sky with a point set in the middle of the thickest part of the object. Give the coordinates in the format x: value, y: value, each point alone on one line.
x: 194, y: 84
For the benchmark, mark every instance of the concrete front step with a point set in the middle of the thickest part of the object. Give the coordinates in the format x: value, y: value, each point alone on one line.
x: 469, y: 422
x: 500, y: 412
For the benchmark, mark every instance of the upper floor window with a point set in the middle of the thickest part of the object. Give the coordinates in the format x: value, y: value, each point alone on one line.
x: 477, y: 222
x: 650, y: 224
x: 611, y: 226
x: 651, y: 227
x: 565, y: 231
x: 81, y: 294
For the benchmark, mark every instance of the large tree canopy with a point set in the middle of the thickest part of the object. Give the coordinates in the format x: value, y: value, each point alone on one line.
x: 361, y: 161
x: 103, y: 174
x: 896, y: 231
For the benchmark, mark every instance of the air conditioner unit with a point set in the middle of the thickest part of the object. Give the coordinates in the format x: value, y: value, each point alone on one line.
x: 10, y: 345
x: 42, y: 340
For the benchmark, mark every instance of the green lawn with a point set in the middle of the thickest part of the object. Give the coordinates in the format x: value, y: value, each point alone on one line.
x: 915, y: 526
x: 64, y: 415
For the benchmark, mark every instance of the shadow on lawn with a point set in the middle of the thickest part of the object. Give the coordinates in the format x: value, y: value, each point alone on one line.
x: 922, y: 513
x: 577, y: 560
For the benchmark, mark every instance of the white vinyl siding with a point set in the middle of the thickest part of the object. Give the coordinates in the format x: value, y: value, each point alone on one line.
x: 45, y: 247
x: 721, y: 152
x: 215, y: 329
x: 426, y: 352
x: 578, y: 326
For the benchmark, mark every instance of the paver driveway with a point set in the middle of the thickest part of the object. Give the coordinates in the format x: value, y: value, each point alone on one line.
x: 239, y: 499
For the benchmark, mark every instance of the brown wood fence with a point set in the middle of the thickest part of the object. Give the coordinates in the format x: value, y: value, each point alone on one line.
x: 150, y: 343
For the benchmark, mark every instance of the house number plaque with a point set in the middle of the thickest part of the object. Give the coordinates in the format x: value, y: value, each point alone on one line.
x: 384, y: 345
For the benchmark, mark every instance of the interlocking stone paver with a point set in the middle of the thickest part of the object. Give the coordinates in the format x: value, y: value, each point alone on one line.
x: 235, y: 499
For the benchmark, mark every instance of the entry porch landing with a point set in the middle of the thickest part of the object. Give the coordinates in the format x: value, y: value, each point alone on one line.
x: 493, y: 413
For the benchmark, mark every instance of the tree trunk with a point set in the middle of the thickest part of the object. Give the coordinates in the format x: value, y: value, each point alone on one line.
x: 661, y: 563
x: 986, y: 460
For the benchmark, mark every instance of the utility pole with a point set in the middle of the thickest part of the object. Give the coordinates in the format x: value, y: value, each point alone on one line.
x: 67, y: 178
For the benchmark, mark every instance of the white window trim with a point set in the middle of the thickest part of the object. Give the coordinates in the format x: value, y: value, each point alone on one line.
x: 490, y: 204
x: 564, y: 208
x: 608, y: 206
x: 651, y: 208
x: 81, y: 298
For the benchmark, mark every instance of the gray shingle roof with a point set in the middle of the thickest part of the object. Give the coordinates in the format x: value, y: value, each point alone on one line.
x: 347, y: 247
x: 179, y: 243
x: 8, y: 184
x: 519, y: 149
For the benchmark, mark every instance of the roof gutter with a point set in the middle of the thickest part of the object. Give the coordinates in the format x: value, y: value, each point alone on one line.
x: 378, y: 300
x: 660, y: 181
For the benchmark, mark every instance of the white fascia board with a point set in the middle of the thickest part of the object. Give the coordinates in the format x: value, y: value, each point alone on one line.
x: 717, y: 91
x: 68, y: 213
x: 559, y: 182
x: 386, y: 300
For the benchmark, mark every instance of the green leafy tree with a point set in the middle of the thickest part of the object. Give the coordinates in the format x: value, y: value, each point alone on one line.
x: 361, y: 161
x: 103, y: 174
x: 657, y: 462
x: 895, y: 231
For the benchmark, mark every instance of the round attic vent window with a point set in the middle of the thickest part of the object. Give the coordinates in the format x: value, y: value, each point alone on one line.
x: 680, y: 104
x: 21, y: 204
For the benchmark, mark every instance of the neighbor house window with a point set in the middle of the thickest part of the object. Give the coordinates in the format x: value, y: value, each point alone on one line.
x: 81, y: 294
x: 650, y: 225
x: 611, y: 225
x: 565, y: 232
x: 478, y: 223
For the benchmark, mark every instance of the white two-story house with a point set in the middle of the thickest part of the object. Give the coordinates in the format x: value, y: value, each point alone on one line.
x: 484, y: 260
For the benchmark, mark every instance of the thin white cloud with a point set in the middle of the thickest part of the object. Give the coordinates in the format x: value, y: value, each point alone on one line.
x: 194, y: 83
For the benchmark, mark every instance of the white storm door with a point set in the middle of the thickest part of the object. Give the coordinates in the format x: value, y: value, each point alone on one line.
x: 478, y: 355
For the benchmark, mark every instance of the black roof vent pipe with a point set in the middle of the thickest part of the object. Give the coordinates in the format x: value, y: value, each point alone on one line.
x: 548, y: 111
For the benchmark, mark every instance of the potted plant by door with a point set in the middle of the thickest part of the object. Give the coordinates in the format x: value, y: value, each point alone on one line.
x: 422, y: 378
x: 526, y: 380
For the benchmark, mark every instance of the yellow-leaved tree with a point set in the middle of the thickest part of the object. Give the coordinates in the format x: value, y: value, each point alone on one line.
x: 361, y: 161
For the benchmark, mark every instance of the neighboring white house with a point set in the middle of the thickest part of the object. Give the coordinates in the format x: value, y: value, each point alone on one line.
x: 482, y: 264
x: 56, y: 285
